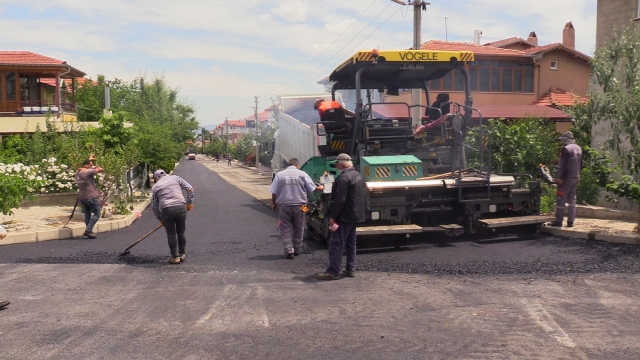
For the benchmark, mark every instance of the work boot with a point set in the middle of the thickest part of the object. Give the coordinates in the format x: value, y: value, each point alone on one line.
x: 327, y: 276
x: 90, y: 235
x: 555, y: 224
x: 348, y: 273
x: 569, y: 224
x: 174, y: 260
x: 290, y: 256
x: 4, y: 304
x: 183, y: 257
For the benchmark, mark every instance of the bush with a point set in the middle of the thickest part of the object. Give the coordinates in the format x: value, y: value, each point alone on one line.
x: 17, y: 181
x: 518, y: 146
x: 548, y: 200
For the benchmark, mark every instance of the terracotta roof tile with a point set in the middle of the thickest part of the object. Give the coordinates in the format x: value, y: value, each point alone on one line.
x: 554, y: 46
x: 476, y: 49
x: 27, y: 58
x: 559, y: 97
x: 48, y: 81
x: 508, y: 41
x: 239, y: 123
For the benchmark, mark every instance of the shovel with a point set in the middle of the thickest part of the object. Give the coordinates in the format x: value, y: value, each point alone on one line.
x: 126, y: 251
x: 72, y: 212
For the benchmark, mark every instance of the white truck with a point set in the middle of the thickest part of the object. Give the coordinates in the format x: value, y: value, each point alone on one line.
x: 297, y: 136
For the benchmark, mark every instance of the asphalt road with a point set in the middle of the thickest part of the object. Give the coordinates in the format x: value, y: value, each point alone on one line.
x: 237, y: 297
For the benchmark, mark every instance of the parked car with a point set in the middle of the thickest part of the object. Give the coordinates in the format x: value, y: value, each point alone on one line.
x: 192, y: 156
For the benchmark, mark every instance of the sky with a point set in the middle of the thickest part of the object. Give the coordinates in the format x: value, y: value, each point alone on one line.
x: 220, y: 54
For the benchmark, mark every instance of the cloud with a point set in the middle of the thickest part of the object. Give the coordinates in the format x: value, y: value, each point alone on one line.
x: 220, y: 52
x: 291, y: 10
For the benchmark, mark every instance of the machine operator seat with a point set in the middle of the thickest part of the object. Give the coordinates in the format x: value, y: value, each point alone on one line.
x: 440, y: 103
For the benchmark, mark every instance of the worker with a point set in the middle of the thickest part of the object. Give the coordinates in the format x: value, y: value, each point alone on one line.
x: 568, y: 177
x: 229, y: 159
x: 442, y: 103
x: 289, y: 199
x: 88, y: 195
x: 170, y: 208
x: 322, y: 106
x: 346, y: 209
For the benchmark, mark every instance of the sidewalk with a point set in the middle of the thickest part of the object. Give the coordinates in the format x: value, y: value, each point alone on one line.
x: 42, y: 223
x: 592, y: 223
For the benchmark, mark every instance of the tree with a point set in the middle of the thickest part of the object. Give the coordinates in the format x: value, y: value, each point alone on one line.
x: 244, y: 148
x: 519, y: 146
x: 614, y: 99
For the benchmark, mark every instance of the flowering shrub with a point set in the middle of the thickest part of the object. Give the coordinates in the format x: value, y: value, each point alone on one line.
x: 17, y: 181
x: 57, y: 177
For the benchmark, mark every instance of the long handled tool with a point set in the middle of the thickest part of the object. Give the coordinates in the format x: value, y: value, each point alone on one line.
x: 126, y: 251
x: 72, y: 212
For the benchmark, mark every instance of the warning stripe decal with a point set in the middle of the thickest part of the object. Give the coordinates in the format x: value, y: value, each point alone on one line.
x: 383, y: 172
x: 440, y: 139
x: 466, y: 56
x: 485, y: 141
x: 410, y: 170
x: 367, y: 171
x: 337, y: 145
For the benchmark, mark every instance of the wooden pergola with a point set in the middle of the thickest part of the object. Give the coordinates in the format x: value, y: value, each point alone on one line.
x: 21, y: 87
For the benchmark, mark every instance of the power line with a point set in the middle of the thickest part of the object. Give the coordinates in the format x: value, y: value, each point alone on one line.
x: 301, y: 82
x: 323, y: 51
x: 356, y: 46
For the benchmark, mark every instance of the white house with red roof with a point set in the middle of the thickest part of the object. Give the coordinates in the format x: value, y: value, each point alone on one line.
x: 233, y: 130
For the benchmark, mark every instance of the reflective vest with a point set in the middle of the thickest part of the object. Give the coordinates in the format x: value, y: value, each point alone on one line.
x: 327, y: 105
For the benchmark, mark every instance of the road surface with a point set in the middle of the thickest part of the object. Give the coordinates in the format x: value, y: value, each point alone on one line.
x: 236, y: 297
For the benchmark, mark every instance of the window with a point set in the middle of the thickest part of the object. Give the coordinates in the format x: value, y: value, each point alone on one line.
x: 490, y: 76
x: 554, y: 64
x: 11, y: 86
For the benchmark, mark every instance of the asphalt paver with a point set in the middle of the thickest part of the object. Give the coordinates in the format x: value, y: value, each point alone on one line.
x: 237, y: 297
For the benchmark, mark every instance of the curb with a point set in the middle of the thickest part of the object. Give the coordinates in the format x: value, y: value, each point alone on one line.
x: 24, y: 237
x: 618, y: 239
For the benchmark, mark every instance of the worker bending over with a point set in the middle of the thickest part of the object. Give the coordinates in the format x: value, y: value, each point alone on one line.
x: 170, y: 209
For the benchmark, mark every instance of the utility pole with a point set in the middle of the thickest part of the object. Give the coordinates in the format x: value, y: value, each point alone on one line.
x: 255, y: 132
x: 226, y: 125
x: 416, y: 94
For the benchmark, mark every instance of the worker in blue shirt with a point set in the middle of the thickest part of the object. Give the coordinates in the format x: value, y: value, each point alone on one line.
x: 289, y: 198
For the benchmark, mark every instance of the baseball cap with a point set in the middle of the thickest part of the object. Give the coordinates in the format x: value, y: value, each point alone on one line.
x: 566, y: 135
x: 343, y: 156
x: 159, y: 173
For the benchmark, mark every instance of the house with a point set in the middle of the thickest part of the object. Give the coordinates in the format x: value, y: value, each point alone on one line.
x: 264, y: 118
x: 35, y: 87
x: 21, y: 73
x: 233, y: 130
x: 509, y: 78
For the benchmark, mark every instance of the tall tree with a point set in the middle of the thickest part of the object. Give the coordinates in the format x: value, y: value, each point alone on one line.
x: 614, y: 99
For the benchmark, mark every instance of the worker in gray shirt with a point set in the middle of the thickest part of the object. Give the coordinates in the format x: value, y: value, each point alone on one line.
x: 289, y: 198
x: 568, y: 177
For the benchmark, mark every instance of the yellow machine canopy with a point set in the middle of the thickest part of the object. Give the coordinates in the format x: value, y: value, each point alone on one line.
x: 404, y: 69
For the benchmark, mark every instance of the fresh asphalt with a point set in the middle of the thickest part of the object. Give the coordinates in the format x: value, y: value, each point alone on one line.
x: 232, y: 230
x: 237, y: 297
